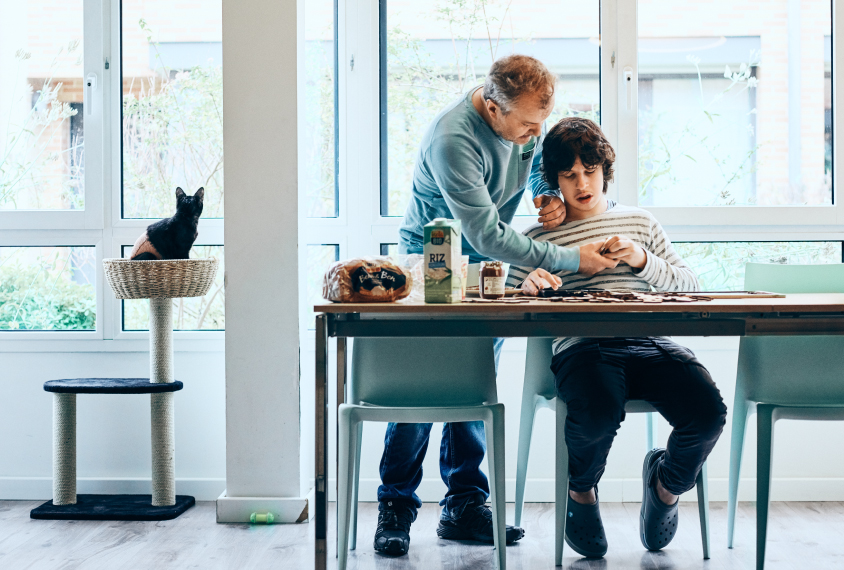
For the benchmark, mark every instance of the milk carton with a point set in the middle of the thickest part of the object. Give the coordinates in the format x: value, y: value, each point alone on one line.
x: 442, y: 249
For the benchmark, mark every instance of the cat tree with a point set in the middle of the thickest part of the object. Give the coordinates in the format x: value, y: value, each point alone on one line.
x: 159, y: 281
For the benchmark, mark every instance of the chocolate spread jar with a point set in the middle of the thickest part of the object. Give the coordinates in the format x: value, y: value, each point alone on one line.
x: 491, y: 282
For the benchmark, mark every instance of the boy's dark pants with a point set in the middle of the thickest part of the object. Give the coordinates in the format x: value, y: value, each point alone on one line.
x: 596, y: 377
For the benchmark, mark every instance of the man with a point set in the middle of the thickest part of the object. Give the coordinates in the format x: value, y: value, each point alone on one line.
x: 473, y: 165
x: 596, y: 376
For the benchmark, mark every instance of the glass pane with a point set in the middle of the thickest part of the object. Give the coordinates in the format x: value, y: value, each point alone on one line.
x: 436, y: 55
x: 720, y: 265
x: 41, y: 143
x: 734, y: 104
x: 48, y: 288
x: 320, y: 256
x: 316, y: 131
x: 172, y: 56
x: 206, y: 313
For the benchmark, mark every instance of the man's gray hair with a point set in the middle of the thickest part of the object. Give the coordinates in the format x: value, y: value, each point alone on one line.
x: 515, y: 75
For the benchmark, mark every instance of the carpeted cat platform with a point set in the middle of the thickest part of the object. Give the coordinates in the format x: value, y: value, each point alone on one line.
x: 113, y: 508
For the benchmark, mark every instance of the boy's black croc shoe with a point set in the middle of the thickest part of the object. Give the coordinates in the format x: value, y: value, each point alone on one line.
x: 473, y: 521
x: 657, y: 521
x: 392, y: 537
x: 585, y: 529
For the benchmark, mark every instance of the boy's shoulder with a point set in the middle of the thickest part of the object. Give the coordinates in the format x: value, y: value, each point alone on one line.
x: 632, y: 214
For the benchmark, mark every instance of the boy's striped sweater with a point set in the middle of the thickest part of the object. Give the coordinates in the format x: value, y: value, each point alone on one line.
x: 663, y: 271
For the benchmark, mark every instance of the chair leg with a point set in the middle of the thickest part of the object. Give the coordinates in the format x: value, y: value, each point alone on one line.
x: 353, y: 538
x: 741, y: 412
x: 702, y: 485
x: 561, y: 484
x: 652, y: 431
x: 525, y: 435
x: 347, y: 451
x: 494, y: 428
x: 764, y: 455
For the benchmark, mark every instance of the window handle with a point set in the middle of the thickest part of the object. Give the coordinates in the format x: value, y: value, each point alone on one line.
x: 628, y: 82
x: 90, y: 87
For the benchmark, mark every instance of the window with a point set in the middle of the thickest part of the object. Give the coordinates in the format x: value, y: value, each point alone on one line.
x: 172, y: 124
x: 433, y: 55
x: 725, y: 141
x: 318, y: 131
x: 324, y: 228
x: 47, y: 288
x: 720, y: 265
x: 41, y: 141
x: 732, y: 103
x: 102, y: 119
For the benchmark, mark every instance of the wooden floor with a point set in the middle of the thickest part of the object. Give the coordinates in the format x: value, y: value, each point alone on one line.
x: 801, y: 536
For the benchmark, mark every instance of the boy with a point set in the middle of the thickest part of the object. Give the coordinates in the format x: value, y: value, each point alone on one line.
x: 595, y: 376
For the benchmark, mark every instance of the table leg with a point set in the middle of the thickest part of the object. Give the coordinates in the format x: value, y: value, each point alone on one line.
x: 321, y: 437
x: 341, y: 398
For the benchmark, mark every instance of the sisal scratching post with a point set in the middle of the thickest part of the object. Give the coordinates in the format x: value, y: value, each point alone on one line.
x: 64, y: 449
x: 161, y: 405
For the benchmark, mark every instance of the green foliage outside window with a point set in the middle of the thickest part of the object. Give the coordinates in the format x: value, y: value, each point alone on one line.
x: 720, y: 265
x: 47, y: 288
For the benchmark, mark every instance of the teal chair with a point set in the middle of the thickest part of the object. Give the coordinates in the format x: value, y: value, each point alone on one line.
x: 419, y: 380
x: 540, y: 392
x: 782, y: 377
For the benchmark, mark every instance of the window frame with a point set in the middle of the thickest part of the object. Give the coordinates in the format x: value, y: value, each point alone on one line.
x: 360, y: 228
x: 708, y: 222
x: 100, y: 224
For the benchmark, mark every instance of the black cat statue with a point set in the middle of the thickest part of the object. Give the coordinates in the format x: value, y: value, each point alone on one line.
x: 171, y: 238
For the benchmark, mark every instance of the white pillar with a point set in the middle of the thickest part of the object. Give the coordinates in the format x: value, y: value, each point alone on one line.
x: 261, y: 239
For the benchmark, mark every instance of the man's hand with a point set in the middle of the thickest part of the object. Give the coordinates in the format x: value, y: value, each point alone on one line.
x: 552, y: 210
x: 625, y: 250
x: 540, y: 279
x: 591, y: 260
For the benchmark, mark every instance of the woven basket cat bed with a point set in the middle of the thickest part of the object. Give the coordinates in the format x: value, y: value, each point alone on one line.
x: 168, y: 278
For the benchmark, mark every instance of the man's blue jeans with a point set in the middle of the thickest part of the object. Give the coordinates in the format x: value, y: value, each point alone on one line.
x: 461, y: 452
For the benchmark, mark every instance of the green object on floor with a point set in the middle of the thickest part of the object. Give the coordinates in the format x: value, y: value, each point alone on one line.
x: 419, y: 380
x: 261, y: 518
x: 782, y: 377
x: 540, y: 391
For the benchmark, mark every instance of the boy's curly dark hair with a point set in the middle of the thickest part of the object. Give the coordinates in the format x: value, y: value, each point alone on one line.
x: 573, y: 137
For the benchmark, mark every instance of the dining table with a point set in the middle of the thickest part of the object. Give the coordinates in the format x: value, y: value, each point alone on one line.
x: 715, y: 315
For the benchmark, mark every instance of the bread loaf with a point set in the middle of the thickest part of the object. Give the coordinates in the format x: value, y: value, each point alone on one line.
x: 366, y: 280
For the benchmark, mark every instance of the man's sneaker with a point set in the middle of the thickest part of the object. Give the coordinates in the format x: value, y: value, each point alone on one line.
x: 473, y: 521
x: 392, y: 537
x: 657, y: 521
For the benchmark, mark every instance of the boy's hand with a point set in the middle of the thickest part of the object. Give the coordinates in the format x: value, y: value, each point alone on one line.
x: 540, y: 279
x: 552, y: 211
x: 625, y: 250
x: 591, y: 260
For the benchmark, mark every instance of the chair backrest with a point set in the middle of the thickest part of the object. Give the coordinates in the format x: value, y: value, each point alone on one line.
x: 423, y: 372
x: 793, y: 370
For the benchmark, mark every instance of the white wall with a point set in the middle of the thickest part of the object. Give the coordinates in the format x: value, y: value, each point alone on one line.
x: 113, y: 431
x: 807, y: 465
